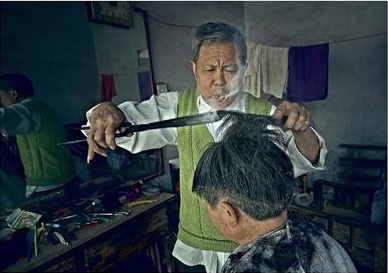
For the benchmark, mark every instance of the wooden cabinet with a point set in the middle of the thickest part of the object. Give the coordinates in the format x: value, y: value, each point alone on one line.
x: 344, y: 207
x: 144, y: 237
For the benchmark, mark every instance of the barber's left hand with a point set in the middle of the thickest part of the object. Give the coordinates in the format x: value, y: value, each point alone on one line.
x: 299, y: 118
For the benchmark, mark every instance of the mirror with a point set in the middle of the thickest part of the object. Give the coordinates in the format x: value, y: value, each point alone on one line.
x: 133, y: 71
x: 66, y: 49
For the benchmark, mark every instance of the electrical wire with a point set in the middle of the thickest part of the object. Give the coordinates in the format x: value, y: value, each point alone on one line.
x: 358, y: 38
x: 334, y: 42
x: 170, y: 24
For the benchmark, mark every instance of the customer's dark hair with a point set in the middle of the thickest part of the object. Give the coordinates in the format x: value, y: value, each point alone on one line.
x: 248, y: 167
x: 219, y: 33
x: 19, y: 82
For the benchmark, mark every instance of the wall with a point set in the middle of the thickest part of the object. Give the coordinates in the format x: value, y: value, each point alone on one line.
x: 171, y: 45
x: 117, y: 54
x: 52, y: 43
x: 355, y: 110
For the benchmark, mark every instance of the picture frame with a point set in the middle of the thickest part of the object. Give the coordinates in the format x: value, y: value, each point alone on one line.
x: 115, y: 13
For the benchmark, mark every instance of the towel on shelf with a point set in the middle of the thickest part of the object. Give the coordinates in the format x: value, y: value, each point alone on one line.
x: 267, y: 70
x: 108, y: 88
x: 308, y: 68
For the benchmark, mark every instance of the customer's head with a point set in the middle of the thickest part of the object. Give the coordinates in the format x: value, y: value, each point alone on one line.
x: 247, y: 170
x: 219, y: 63
x: 15, y: 88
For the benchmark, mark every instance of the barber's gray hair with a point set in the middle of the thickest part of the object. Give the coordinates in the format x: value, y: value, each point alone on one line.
x: 218, y: 33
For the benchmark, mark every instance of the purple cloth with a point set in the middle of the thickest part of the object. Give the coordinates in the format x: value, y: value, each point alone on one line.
x: 308, y: 68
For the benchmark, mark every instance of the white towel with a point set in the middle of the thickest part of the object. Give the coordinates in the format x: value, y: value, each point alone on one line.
x: 267, y: 70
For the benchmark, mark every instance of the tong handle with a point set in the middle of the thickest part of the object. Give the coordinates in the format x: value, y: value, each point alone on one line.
x: 129, y: 129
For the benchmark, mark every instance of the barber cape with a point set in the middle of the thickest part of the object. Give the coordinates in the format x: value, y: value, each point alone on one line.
x: 296, y: 246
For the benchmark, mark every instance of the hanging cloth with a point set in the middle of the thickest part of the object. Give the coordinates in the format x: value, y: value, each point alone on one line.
x: 308, y: 73
x: 267, y: 70
x: 108, y: 88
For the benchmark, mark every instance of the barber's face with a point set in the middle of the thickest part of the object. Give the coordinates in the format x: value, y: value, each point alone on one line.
x: 7, y: 97
x: 218, y: 73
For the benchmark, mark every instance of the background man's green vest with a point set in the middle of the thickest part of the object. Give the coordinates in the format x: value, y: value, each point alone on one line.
x: 195, y: 227
x: 44, y: 162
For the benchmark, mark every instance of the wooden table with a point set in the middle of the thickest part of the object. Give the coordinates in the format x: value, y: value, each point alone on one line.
x: 101, y: 248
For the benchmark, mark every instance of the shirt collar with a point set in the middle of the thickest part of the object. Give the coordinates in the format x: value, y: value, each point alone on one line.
x: 237, y: 104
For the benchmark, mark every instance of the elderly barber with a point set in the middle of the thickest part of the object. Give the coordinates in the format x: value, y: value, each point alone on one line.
x: 218, y: 65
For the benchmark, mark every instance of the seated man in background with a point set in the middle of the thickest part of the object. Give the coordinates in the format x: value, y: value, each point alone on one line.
x: 38, y: 130
x: 246, y: 180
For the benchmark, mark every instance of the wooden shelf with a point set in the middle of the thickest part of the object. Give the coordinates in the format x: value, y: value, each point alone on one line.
x: 108, y: 243
x: 358, y: 177
x: 361, y: 162
x: 348, y: 185
x: 365, y: 147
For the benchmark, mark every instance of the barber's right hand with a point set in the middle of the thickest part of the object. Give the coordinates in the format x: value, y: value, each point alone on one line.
x: 104, y: 121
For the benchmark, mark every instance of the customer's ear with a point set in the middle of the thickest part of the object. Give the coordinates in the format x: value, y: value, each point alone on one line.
x: 230, y: 214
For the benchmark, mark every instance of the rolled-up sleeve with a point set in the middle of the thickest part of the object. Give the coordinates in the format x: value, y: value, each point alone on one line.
x: 301, y: 164
x: 155, y: 109
x: 18, y: 119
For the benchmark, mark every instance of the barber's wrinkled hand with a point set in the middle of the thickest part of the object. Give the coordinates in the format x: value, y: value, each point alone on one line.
x: 299, y: 118
x: 104, y: 121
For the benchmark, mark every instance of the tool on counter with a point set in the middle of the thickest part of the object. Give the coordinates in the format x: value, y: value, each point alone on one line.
x: 81, y: 213
x: 90, y: 218
x: 61, y: 238
x: 207, y: 117
x: 58, y: 233
x: 53, y: 239
x: 65, y: 218
x: 141, y: 202
x: 119, y: 213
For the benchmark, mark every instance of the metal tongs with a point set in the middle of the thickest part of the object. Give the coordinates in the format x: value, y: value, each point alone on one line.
x: 208, y: 117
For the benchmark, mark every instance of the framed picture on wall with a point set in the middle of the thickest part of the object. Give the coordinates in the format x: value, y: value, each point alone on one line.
x: 117, y: 13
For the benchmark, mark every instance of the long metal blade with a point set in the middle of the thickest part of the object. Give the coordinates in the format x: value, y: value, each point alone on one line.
x: 175, y: 122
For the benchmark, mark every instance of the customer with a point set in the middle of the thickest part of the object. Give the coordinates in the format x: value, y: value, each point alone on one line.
x: 246, y: 180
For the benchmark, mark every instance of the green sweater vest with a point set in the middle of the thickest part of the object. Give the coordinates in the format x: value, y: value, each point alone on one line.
x: 195, y: 227
x: 44, y: 162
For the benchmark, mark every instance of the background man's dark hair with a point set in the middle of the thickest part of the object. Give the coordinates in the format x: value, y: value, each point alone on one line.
x: 19, y: 82
x: 219, y: 33
x: 248, y: 167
